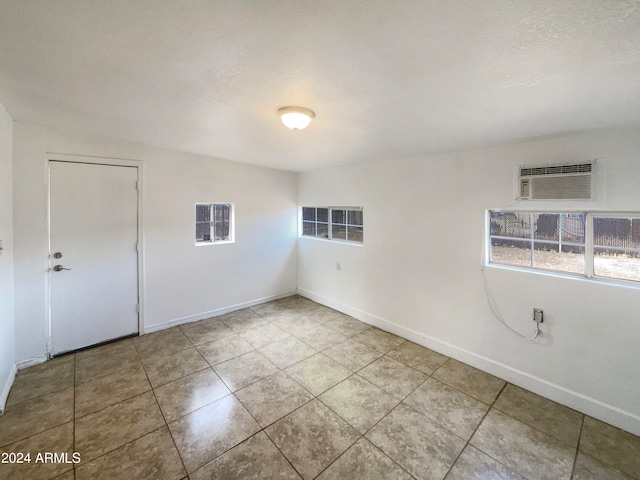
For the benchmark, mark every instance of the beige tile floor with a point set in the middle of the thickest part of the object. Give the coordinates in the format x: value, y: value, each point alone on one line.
x: 289, y: 390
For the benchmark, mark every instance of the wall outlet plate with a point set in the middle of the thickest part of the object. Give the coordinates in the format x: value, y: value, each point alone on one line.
x: 538, y: 315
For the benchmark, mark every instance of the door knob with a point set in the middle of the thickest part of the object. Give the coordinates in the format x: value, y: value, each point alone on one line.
x: 58, y: 268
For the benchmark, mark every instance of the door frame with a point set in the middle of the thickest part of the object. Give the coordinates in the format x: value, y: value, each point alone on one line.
x: 115, y: 162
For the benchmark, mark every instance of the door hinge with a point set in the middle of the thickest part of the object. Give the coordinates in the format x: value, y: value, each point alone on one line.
x: 137, y: 308
x: 137, y: 185
x: 137, y: 246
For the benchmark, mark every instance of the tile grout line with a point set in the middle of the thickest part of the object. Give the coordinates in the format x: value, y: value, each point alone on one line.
x: 166, y: 424
x: 231, y: 392
x: 492, y: 405
x: 264, y: 430
x: 575, y: 458
x: 363, y: 436
x: 535, y: 427
x: 468, y: 441
x: 134, y: 396
x: 353, y: 373
x: 315, y: 397
x: 563, y: 443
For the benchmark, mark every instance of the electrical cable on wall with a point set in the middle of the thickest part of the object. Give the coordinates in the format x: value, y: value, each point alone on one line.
x: 490, y: 300
x: 494, y: 309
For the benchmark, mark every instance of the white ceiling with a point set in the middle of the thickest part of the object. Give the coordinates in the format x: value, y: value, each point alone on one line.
x: 387, y: 79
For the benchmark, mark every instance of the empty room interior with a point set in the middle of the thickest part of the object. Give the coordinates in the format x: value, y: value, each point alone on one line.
x: 333, y: 240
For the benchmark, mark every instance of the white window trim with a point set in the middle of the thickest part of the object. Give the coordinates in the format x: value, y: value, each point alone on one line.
x: 232, y: 224
x: 589, y: 274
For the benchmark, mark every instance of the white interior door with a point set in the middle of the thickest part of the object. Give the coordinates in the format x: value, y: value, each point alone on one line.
x: 94, y: 233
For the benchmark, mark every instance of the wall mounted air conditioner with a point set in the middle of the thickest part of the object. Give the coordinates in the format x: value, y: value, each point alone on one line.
x: 556, y: 182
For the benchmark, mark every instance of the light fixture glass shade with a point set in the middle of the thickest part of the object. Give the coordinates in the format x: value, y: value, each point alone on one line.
x: 296, y: 118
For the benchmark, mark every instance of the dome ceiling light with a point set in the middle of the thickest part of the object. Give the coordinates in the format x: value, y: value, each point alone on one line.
x: 296, y: 118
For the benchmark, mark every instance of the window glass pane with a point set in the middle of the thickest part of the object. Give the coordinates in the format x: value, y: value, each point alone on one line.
x: 623, y: 264
x: 221, y: 221
x: 510, y: 224
x: 308, y: 214
x: 573, y: 227
x: 339, y: 216
x: 546, y: 226
x: 203, y: 213
x: 561, y: 242
x: 339, y: 232
x: 322, y: 230
x: 552, y: 256
x: 616, y: 232
x: 323, y: 215
x: 355, y: 217
x: 309, y: 228
x: 511, y: 252
x: 203, y: 232
x: 616, y: 247
x: 355, y: 234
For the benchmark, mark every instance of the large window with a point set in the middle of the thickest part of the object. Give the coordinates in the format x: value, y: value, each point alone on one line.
x: 583, y: 243
x: 335, y: 223
x: 214, y: 223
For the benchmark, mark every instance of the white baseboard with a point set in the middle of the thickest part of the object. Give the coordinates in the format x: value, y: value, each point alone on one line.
x: 582, y: 403
x: 32, y: 361
x: 369, y: 318
x: 595, y: 408
x: 6, y: 388
x: 212, y: 313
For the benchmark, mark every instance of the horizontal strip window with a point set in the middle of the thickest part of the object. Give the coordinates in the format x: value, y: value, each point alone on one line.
x: 333, y: 223
x: 587, y: 244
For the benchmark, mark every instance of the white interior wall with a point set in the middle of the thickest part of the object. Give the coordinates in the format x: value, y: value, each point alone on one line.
x: 30, y: 236
x: 182, y: 282
x: 418, y: 273
x: 7, y: 334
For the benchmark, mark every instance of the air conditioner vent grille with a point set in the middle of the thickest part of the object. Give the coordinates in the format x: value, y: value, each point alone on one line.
x: 556, y: 169
x: 556, y: 182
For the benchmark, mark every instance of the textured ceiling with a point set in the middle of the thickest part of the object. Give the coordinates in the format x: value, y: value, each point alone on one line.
x: 387, y: 79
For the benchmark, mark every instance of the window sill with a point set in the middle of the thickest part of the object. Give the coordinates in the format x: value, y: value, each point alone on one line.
x: 220, y: 242
x: 571, y: 276
x: 331, y: 240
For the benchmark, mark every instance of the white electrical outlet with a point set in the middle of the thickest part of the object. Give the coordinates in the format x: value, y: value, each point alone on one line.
x: 538, y: 315
x: 338, y: 266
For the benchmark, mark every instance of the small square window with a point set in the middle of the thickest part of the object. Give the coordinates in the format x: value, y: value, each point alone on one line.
x: 214, y: 223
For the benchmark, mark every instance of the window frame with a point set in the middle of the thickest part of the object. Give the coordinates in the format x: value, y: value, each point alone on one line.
x: 589, y: 247
x: 330, y: 223
x: 212, y: 240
